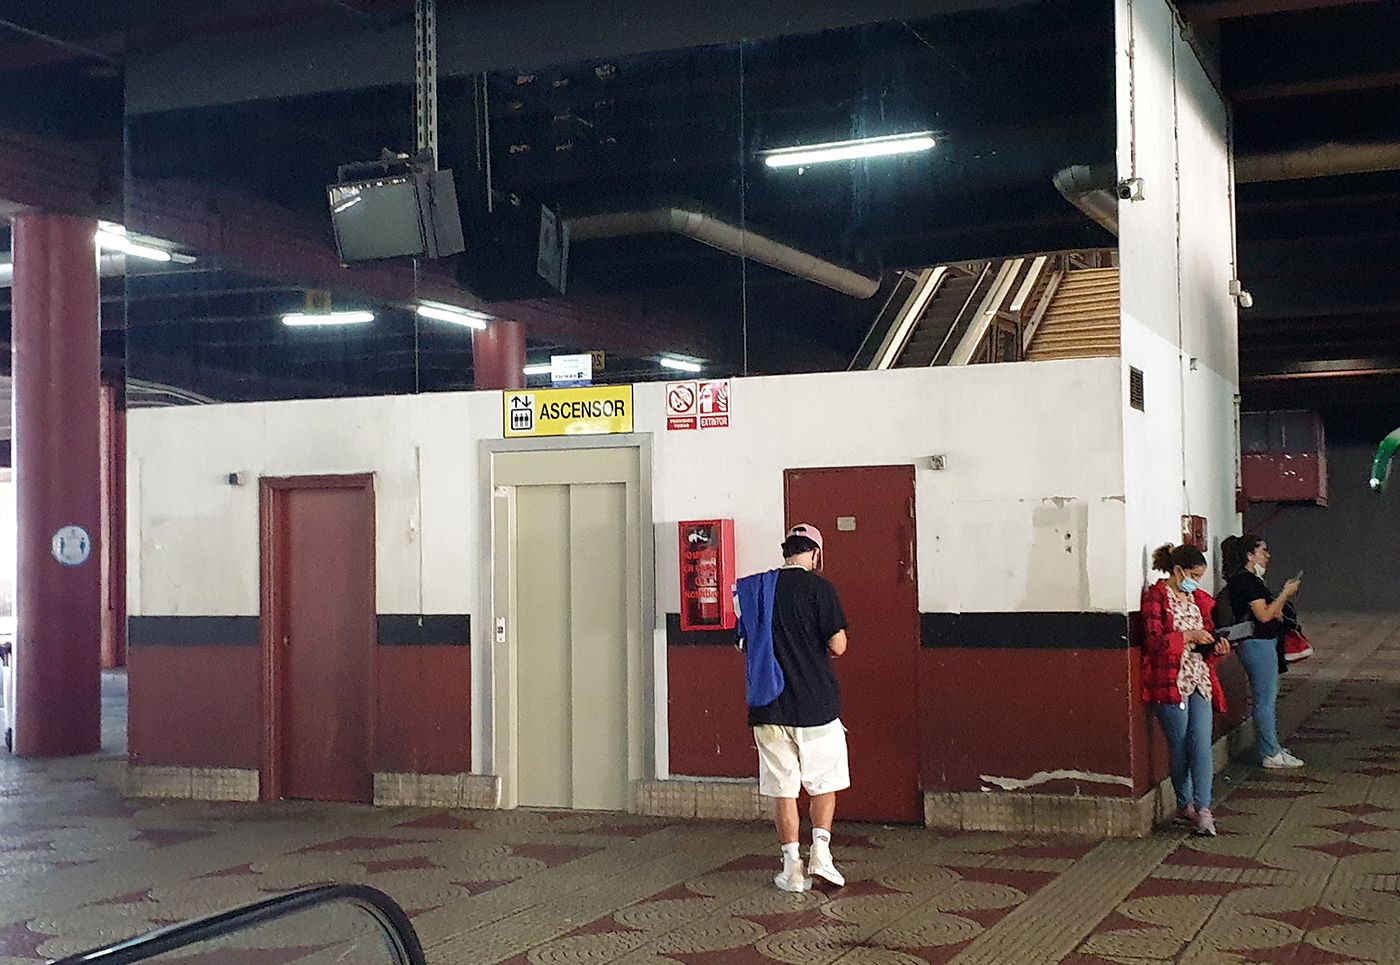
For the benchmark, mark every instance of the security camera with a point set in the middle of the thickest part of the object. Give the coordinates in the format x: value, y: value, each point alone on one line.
x: 1242, y: 298
x: 1246, y: 300
x: 1130, y: 189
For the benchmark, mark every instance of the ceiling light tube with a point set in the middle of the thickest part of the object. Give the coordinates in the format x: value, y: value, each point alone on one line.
x: 865, y: 147
x: 543, y: 368
x: 302, y: 319
x: 680, y: 365
x: 457, y: 316
x: 111, y: 241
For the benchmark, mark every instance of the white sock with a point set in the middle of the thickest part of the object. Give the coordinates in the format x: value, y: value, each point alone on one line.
x: 791, y: 852
x: 821, y: 836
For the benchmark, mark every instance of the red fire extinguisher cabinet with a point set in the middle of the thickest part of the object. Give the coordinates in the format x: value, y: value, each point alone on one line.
x: 707, y: 574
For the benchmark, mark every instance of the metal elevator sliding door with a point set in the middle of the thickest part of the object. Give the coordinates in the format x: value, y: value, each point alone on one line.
x: 573, y: 647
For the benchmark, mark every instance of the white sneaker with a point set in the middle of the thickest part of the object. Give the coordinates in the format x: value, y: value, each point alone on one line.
x: 1282, y: 759
x: 793, y: 877
x: 820, y: 864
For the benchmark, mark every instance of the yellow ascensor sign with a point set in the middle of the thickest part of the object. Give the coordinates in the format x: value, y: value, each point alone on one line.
x: 591, y: 410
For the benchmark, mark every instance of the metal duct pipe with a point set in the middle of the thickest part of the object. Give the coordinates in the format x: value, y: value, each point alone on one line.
x: 1091, y: 189
x: 109, y: 265
x: 1322, y: 161
x: 725, y: 237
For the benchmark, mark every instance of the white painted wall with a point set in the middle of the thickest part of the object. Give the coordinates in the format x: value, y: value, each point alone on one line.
x: 1033, y: 454
x: 1177, y: 257
x: 1032, y: 458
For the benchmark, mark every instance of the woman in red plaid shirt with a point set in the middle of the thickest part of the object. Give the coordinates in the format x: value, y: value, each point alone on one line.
x: 1179, y: 654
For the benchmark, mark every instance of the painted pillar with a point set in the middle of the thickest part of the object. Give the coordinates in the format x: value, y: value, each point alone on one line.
x: 112, y: 541
x: 498, y: 356
x: 58, y: 680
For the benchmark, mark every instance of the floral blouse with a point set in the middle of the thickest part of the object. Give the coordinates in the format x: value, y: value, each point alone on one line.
x: 1194, y: 676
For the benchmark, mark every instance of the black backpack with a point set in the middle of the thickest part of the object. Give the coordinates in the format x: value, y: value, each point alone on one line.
x: 1223, y: 613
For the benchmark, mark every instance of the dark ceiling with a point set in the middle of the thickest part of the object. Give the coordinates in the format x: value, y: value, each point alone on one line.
x: 1014, y: 93
x: 1317, y: 252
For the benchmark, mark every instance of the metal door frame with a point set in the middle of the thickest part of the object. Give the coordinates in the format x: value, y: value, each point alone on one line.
x: 496, y: 511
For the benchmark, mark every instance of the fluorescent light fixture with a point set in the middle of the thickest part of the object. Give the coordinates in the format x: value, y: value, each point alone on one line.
x: 330, y: 318
x: 794, y: 157
x: 347, y: 204
x: 453, y: 314
x: 680, y: 365
x: 115, y: 237
x: 542, y: 368
x: 113, y: 241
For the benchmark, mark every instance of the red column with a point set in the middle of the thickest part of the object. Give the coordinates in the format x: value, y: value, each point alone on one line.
x: 112, y: 540
x: 58, y: 681
x: 498, y: 356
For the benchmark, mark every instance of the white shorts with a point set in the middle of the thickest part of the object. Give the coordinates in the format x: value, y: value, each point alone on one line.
x: 790, y: 758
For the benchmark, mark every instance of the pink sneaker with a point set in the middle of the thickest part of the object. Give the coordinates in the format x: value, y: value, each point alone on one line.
x: 1205, y: 824
x: 1186, y: 817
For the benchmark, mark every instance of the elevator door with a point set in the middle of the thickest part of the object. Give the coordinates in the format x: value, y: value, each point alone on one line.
x: 573, y: 568
x: 866, y: 516
x: 319, y: 558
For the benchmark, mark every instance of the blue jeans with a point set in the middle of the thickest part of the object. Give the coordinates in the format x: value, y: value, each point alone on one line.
x: 1188, y: 737
x: 1260, y: 659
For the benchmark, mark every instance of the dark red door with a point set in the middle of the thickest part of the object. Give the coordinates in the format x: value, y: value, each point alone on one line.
x: 866, y: 516
x: 323, y: 596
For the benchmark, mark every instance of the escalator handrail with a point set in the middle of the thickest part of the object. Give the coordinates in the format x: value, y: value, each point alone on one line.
x: 386, y: 912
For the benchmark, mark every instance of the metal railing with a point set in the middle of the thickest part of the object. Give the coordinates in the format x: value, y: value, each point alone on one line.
x: 399, y: 938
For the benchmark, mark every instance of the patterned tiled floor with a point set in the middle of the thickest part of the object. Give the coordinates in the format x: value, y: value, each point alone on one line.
x: 1307, y: 869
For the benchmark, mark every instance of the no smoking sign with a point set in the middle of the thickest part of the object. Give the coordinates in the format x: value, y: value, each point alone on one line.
x: 697, y: 405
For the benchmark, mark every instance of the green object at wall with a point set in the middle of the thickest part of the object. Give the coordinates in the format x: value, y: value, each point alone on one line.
x: 1380, y: 469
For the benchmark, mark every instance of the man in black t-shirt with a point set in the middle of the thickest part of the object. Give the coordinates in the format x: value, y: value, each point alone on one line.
x: 801, y: 741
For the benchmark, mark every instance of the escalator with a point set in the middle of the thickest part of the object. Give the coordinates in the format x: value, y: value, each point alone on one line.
x: 936, y: 331
x: 1036, y: 307
x: 345, y: 924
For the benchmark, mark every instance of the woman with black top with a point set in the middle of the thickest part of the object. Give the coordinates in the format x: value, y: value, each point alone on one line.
x: 1246, y: 560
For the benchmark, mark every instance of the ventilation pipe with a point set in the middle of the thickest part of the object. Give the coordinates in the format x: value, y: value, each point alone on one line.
x: 725, y: 237
x: 1322, y: 161
x: 1092, y: 189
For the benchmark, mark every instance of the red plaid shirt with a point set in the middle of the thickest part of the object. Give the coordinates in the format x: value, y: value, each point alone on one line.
x: 1163, y: 647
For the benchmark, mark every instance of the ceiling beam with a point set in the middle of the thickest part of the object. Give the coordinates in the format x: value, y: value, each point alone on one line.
x: 64, y: 178
x: 1211, y: 11
x: 484, y: 35
x: 1279, y: 90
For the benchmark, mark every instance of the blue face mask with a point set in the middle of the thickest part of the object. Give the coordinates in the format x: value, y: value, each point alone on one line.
x: 1189, y: 585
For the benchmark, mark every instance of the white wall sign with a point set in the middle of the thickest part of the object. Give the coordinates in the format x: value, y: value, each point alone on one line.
x: 71, y: 546
x: 571, y: 369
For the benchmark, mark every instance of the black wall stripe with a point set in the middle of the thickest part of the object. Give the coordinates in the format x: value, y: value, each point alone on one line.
x: 426, y: 630
x: 676, y: 637
x: 394, y: 630
x: 1030, y: 631
x: 192, y: 631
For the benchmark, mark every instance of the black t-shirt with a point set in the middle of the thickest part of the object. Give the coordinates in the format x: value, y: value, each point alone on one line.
x: 806, y: 614
x: 1244, y: 589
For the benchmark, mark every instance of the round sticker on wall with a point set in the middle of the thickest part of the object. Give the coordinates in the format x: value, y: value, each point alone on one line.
x: 72, y: 546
